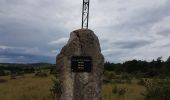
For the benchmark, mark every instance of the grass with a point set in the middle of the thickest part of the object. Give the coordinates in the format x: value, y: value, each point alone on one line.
x: 25, y: 88
x: 134, y: 91
x: 36, y: 88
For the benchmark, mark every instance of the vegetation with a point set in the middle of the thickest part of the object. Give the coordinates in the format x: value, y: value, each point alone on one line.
x: 41, y: 74
x: 30, y: 87
x: 158, y: 90
x: 131, y: 80
x: 56, y: 89
x: 11, y: 68
x: 26, y: 88
x: 142, y: 69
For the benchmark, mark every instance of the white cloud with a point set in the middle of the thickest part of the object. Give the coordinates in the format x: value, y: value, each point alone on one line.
x: 59, y: 41
x: 5, y: 47
x: 127, y: 29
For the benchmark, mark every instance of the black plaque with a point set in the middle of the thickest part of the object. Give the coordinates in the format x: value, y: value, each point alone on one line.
x: 81, y: 64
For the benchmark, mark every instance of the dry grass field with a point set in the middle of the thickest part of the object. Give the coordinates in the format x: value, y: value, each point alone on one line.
x: 36, y: 88
x: 25, y: 88
x: 133, y: 91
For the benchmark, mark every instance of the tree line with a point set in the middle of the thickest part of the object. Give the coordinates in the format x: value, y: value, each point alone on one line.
x: 142, y: 68
x: 135, y: 67
x: 13, y: 68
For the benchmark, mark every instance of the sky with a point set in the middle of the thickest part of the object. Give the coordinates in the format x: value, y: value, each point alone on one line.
x: 34, y: 31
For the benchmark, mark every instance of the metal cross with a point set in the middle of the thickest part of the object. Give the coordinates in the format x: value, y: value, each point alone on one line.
x: 85, y: 14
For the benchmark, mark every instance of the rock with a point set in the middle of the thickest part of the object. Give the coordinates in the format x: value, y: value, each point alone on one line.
x: 81, y: 86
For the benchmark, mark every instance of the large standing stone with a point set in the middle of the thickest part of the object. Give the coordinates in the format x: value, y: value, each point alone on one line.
x: 81, y: 86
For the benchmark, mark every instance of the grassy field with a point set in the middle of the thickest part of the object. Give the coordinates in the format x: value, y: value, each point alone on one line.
x: 36, y: 88
x: 133, y: 91
x: 25, y: 88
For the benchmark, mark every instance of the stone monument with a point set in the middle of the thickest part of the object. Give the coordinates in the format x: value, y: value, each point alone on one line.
x: 80, y: 64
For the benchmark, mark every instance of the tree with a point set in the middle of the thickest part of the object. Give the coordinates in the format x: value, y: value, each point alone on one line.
x: 159, y: 59
x: 168, y: 60
x: 2, y: 72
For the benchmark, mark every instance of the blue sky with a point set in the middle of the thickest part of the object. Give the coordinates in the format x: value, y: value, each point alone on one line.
x: 36, y: 30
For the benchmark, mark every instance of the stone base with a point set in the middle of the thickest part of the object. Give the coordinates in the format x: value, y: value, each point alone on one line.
x: 81, y: 86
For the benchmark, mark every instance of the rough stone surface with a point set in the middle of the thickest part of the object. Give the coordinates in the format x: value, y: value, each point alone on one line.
x: 81, y: 86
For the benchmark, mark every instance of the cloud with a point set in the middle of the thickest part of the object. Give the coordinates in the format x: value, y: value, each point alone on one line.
x: 162, y: 27
x: 23, y: 55
x: 132, y: 44
x: 59, y: 41
x: 5, y: 47
x: 164, y: 32
x: 36, y: 30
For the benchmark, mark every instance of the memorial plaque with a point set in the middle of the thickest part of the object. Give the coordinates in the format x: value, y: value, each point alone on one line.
x: 81, y: 64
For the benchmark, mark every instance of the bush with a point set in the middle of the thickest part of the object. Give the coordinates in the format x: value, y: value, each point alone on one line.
x: 119, y: 81
x: 108, y: 76
x: 13, y: 76
x: 144, y: 82
x: 122, y: 90
x: 114, y: 90
x: 41, y: 74
x: 122, y: 79
x: 159, y: 90
x: 119, y: 90
x: 105, y: 81
x: 56, y: 90
x: 127, y: 77
x: 2, y: 72
x: 3, y: 80
x: 20, y: 73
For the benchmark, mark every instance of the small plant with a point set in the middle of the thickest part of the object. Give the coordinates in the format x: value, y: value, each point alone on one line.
x: 41, y: 74
x: 13, y: 76
x: 3, y: 80
x: 114, y: 90
x: 141, y: 82
x: 20, y: 73
x: 159, y: 90
x: 119, y: 81
x: 122, y: 91
x: 119, y: 90
x: 108, y: 76
x: 148, y: 83
x: 127, y: 77
x: 56, y: 90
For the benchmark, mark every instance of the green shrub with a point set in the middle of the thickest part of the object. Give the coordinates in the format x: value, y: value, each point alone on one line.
x: 144, y: 82
x: 3, y: 80
x: 159, y: 90
x: 108, y: 76
x: 119, y: 90
x: 127, y: 77
x: 13, y: 76
x: 122, y: 91
x: 56, y: 90
x: 41, y: 74
x: 105, y: 81
x: 20, y: 73
x: 2, y: 72
x: 119, y: 81
x: 114, y: 90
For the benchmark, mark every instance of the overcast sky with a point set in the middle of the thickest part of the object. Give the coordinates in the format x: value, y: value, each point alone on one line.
x: 36, y: 30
